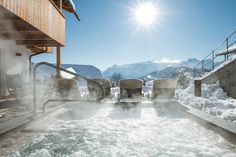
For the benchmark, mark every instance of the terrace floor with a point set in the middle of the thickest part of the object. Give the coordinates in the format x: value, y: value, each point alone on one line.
x: 13, y: 114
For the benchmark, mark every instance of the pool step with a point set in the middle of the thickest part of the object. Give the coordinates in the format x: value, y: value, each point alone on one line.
x: 15, y: 122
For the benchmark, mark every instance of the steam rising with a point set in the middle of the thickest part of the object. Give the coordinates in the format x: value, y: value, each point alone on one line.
x: 141, y: 130
x: 10, y: 63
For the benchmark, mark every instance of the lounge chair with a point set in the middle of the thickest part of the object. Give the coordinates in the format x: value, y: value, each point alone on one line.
x: 164, y: 88
x: 130, y: 88
x: 14, y: 86
x: 67, y: 88
x: 105, y: 83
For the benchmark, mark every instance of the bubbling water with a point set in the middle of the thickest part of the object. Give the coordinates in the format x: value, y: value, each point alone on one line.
x: 126, y: 130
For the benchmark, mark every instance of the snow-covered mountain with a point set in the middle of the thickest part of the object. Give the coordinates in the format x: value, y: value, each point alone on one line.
x: 88, y: 71
x: 190, y: 63
x: 139, y: 70
x: 169, y: 72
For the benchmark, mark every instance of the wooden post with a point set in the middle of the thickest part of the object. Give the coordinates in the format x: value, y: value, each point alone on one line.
x: 58, y: 60
x: 60, y: 5
x: 213, y: 60
x: 197, y: 88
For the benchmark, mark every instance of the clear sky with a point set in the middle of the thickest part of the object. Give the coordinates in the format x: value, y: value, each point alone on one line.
x: 108, y: 35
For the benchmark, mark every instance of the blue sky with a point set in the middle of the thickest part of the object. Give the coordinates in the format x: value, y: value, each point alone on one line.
x: 106, y: 34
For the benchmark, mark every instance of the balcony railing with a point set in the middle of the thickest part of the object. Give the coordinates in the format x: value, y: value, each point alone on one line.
x: 223, y: 52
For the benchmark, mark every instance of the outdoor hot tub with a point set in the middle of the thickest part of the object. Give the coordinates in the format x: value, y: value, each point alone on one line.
x: 110, y: 130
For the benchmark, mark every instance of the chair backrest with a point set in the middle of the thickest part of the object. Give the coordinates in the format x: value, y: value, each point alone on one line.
x: 167, y: 83
x: 67, y: 88
x: 105, y: 83
x: 13, y: 82
x: 130, y: 88
x: 131, y: 84
x: 164, y: 88
x: 67, y: 84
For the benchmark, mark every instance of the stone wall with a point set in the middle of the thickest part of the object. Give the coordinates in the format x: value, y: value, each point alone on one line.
x: 226, y: 77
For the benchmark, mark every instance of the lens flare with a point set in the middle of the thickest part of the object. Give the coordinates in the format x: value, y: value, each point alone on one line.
x: 145, y: 14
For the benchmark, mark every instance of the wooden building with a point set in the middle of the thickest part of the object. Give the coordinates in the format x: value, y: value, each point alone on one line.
x: 28, y: 27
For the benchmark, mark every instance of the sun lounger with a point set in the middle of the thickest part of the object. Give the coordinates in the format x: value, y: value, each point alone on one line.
x: 105, y: 83
x: 14, y: 86
x: 164, y: 88
x: 67, y: 88
x: 130, y: 88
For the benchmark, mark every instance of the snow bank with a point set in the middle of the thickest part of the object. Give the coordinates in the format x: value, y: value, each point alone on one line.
x: 214, y: 101
x: 115, y: 91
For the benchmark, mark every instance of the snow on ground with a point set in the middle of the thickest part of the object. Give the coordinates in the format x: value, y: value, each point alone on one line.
x: 115, y: 91
x: 214, y: 101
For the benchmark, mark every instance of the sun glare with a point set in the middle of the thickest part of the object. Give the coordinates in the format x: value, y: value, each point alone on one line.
x: 145, y: 14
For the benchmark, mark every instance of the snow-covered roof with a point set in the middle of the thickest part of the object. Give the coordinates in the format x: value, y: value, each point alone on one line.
x: 66, y: 75
x: 67, y: 5
x: 72, y: 5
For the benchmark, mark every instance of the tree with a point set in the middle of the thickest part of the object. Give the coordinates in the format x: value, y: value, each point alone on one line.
x: 115, y: 78
x: 184, y: 79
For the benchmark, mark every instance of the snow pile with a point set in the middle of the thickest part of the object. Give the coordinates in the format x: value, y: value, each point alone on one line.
x: 115, y: 91
x: 213, y: 101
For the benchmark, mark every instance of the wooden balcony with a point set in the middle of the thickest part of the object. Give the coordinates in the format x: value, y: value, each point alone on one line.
x: 32, y: 22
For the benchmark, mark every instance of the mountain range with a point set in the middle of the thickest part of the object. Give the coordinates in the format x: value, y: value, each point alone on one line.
x: 164, y: 68
x: 88, y: 71
x: 152, y: 69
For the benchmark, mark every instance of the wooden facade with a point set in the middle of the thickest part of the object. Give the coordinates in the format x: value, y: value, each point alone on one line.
x: 32, y: 23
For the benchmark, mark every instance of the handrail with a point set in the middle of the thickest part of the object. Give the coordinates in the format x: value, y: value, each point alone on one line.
x: 214, y: 56
x: 64, y: 70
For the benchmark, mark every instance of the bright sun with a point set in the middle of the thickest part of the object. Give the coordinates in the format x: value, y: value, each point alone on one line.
x: 145, y: 14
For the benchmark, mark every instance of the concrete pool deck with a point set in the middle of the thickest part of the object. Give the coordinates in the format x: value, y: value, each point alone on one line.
x: 13, y: 115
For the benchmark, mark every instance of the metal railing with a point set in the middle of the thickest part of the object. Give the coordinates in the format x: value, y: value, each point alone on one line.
x: 214, y: 59
x: 66, y: 71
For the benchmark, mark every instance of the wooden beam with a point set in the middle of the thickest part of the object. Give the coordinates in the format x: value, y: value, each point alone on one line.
x: 5, y: 15
x: 58, y: 60
x: 15, y: 25
x: 37, y: 49
x: 60, y: 5
x: 24, y: 35
x: 52, y: 43
x: 21, y: 31
x: 197, y: 88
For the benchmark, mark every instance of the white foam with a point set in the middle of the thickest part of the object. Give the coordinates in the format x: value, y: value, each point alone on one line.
x: 40, y: 153
x: 137, y: 131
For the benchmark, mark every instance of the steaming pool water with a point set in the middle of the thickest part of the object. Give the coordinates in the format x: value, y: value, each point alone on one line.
x: 109, y: 130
